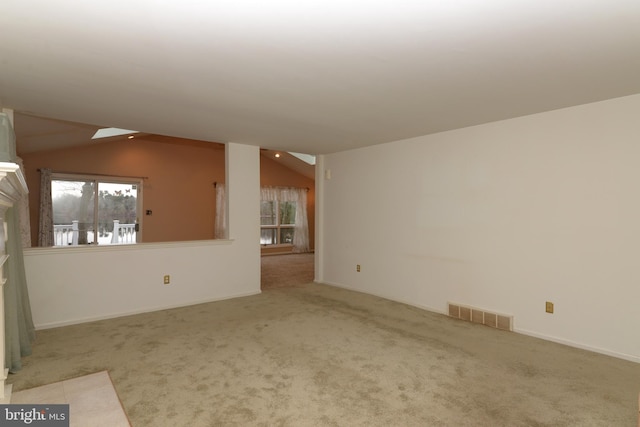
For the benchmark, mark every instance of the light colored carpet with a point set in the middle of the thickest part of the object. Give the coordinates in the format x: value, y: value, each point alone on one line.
x: 316, y: 355
x: 281, y: 271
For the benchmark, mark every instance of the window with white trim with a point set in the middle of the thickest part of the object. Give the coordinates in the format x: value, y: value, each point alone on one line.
x: 95, y: 209
x: 277, y: 222
x: 283, y: 218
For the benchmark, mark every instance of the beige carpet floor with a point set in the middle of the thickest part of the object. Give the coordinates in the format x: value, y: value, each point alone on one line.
x: 280, y: 271
x: 315, y: 355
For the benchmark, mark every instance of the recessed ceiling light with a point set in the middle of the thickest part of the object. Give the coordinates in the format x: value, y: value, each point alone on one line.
x: 130, y: 137
x: 277, y: 154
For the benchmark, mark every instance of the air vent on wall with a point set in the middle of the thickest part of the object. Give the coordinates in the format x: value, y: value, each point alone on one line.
x: 484, y: 317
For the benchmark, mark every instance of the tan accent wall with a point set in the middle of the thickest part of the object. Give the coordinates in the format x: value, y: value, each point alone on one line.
x: 179, y: 188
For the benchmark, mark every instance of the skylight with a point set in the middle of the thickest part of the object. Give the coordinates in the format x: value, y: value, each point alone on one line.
x: 307, y: 158
x: 109, y: 132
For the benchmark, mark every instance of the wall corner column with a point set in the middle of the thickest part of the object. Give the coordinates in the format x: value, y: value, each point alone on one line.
x: 319, y: 212
x: 242, y: 172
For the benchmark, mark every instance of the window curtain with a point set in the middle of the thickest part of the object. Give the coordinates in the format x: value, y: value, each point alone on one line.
x: 301, y: 234
x: 45, y: 229
x: 299, y: 196
x: 269, y: 194
x: 19, y: 329
x: 220, y: 225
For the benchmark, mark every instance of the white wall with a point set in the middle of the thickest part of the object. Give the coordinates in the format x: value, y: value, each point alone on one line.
x: 502, y: 216
x: 72, y: 285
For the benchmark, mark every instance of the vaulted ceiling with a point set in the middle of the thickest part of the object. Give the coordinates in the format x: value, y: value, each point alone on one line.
x: 308, y: 76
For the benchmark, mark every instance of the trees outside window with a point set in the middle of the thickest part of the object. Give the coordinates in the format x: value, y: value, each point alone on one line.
x: 90, y: 210
x: 283, y: 217
x: 277, y: 222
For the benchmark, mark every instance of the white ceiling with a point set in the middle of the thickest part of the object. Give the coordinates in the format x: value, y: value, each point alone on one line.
x: 309, y: 76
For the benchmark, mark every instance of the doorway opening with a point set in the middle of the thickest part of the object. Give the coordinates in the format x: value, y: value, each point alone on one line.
x: 287, y: 218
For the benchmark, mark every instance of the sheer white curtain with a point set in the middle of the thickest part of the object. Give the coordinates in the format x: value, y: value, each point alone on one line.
x: 269, y: 194
x: 299, y: 196
x: 221, y: 231
x: 301, y: 234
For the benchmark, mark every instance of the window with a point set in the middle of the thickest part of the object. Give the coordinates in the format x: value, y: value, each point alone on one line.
x: 95, y: 210
x: 277, y: 222
x: 283, y: 218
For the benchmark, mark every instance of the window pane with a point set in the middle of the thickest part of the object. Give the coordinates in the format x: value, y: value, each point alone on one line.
x: 267, y: 213
x: 73, y: 205
x: 75, y: 215
x: 286, y: 236
x: 287, y: 213
x: 268, y: 236
x: 117, y: 213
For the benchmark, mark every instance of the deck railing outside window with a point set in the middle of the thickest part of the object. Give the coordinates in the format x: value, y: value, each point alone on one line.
x: 67, y: 234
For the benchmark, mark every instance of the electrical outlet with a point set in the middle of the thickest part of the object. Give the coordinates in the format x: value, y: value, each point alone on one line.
x: 167, y: 279
x: 358, y: 268
x: 549, y: 307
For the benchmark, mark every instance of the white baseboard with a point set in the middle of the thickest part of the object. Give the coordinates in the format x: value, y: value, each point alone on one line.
x: 629, y: 357
x: 144, y: 310
x: 569, y: 343
x: 390, y: 298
